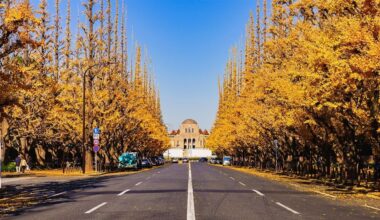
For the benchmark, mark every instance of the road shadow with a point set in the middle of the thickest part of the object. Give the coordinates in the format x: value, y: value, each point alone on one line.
x: 16, y: 199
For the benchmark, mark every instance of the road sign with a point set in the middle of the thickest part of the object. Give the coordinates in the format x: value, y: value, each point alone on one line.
x: 96, y: 131
x: 96, y: 142
x: 96, y: 136
x: 96, y: 148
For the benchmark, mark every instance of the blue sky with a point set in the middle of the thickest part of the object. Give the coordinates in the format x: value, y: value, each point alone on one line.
x: 188, y: 42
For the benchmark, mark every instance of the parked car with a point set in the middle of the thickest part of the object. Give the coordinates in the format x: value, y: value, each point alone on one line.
x: 162, y: 160
x: 145, y: 163
x: 226, y: 161
x: 213, y: 160
x: 128, y: 160
x: 174, y: 160
x: 203, y: 160
x: 185, y: 160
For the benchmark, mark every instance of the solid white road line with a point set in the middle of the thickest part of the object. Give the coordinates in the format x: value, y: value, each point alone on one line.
x: 122, y: 193
x: 8, y: 180
x: 95, y: 208
x: 58, y: 194
x: 232, y: 178
x: 138, y: 183
x: 325, y: 194
x: 190, y: 197
x: 287, y: 208
x: 243, y: 184
x: 371, y: 207
x: 258, y: 192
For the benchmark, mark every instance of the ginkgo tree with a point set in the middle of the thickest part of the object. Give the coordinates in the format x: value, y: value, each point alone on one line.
x: 310, y: 81
x: 42, y: 77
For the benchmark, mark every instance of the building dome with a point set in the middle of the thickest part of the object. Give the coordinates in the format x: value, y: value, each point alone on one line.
x: 189, y: 121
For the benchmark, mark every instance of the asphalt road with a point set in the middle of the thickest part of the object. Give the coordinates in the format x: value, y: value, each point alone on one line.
x: 175, y: 192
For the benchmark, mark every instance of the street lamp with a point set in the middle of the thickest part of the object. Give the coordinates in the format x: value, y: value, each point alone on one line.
x: 276, y: 149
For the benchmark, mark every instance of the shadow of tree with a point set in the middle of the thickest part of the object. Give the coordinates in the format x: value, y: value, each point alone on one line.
x: 16, y: 199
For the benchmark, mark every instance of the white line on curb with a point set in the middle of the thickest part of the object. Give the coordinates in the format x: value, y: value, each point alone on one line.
x: 287, y: 208
x: 371, y: 207
x: 122, y: 193
x: 95, y: 208
x: 232, y: 178
x: 58, y: 194
x: 258, y: 192
x: 190, y: 198
x: 243, y: 184
x: 325, y: 194
x: 138, y: 183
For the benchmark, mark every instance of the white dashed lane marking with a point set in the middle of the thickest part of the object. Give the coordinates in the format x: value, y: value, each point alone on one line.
x: 95, y: 208
x: 122, y: 193
x: 287, y: 208
x: 232, y: 178
x: 243, y: 184
x: 258, y: 192
x: 138, y: 183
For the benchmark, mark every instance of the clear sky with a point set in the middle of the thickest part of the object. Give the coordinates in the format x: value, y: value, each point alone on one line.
x: 188, y: 42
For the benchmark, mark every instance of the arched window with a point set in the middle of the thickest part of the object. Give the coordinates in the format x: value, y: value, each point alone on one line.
x: 185, y: 130
x: 184, y: 147
x: 192, y: 130
x: 193, y: 140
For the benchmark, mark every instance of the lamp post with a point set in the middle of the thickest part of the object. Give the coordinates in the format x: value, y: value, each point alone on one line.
x: 276, y: 149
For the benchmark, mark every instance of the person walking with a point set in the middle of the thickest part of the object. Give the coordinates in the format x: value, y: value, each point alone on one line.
x: 23, y: 165
x: 18, y: 161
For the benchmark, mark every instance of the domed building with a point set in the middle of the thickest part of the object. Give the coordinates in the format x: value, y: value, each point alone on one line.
x: 188, y: 141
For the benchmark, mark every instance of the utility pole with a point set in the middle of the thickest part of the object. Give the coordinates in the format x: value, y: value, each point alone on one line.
x: 84, y: 124
x: 276, y: 149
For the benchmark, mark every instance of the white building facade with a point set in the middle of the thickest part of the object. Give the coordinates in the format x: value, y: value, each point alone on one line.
x: 188, y: 141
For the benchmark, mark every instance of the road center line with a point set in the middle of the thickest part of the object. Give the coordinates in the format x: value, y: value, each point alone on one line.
x: 232, y: 178
x: 58, y: 194
x: 95, y: 208
x: 258, y: 192
x: 190, y: 197
x: 122, y: 193
x: 287, y: 208
x: 138, y: 183
x: 243, y: 184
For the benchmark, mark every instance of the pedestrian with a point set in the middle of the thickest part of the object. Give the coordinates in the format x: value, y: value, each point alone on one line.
x: 23, y: 165
x: 18, y: 161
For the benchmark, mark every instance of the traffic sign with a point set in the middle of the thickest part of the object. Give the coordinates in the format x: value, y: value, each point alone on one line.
x: 96, y: 136
x: 96, y: 142
x: 96, y: 148
x: 96, y: 131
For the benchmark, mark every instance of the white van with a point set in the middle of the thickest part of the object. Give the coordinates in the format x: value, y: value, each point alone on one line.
x: 226, y: 161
